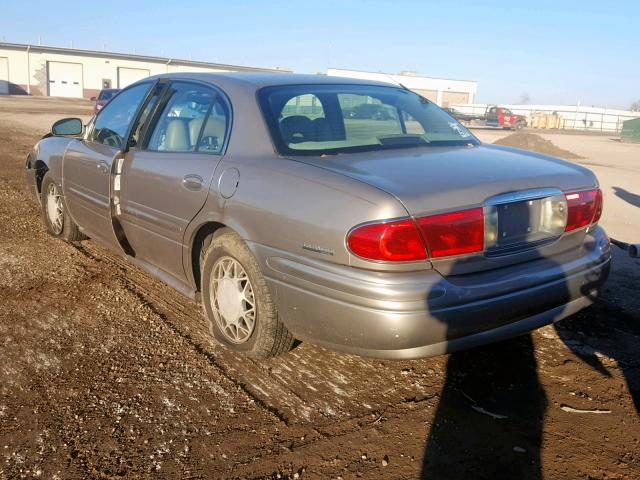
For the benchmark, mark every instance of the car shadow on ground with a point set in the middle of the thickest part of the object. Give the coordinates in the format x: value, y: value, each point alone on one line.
x: 627, y: 196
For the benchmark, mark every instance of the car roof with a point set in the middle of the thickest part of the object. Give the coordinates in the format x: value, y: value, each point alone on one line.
x: 257, y: 80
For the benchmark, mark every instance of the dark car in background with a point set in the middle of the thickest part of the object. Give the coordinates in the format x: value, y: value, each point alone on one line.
x: 373, y: 111
x: 103, y: 97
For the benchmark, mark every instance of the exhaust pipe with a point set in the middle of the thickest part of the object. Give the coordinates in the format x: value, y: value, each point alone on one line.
x: 633, y: 249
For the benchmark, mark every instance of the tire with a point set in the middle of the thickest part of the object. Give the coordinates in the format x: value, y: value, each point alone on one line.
x: 54, y: 212
x: 240, y: 294
x: 519, y: 126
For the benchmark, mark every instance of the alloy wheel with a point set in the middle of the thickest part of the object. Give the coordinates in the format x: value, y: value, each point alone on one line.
x: 55, y: 209
x: 232, y: 300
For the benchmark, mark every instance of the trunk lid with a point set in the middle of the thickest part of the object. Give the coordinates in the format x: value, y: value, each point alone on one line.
x: 431, y: 180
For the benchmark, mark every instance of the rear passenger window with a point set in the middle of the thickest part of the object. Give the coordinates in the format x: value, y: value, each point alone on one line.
x: 212, y: 135
x: 192, y: 120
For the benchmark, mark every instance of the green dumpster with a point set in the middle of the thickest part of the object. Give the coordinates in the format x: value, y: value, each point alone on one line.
x: 631, y: 131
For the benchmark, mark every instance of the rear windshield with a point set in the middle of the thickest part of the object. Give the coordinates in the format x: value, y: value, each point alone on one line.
x: 107, y: 94
x: 330, y: 119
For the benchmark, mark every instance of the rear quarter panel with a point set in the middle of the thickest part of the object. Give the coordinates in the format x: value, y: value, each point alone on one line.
x: 286, y: 205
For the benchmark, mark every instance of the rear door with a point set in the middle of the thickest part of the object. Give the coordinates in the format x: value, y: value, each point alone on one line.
x: 87, y: 163
x: 166, y: 178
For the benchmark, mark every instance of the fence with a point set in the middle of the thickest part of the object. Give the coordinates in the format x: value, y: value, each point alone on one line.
x: 574, y: 117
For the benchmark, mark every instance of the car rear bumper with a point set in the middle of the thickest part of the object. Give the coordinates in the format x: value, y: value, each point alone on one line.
x: 416, y: 314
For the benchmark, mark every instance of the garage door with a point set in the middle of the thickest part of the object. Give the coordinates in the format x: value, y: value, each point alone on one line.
x: 127, y: 76
x: 65, y: 79
x: 428, y: 94
x: 454, y: 98
x: 4, y: 75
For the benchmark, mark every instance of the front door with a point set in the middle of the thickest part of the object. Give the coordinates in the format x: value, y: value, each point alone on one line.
x: 166, y: 178
x: 87, y: 164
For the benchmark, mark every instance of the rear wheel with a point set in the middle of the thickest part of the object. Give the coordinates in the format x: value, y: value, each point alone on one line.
x: 54, y: 212
x: 237, y: 302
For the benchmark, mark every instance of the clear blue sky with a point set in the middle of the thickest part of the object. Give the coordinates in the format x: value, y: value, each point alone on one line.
x: 555, y: 51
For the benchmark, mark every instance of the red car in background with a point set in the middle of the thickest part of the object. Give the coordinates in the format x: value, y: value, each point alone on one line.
x: 103, y: 97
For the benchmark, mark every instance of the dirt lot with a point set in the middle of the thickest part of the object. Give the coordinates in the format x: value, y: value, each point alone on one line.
x: 106, y: 373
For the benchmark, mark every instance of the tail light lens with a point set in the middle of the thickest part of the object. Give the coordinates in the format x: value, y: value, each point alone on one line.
x: 397, y: 241
x: 584, y: 208
x: 453, y: 233
x: 406, y: 240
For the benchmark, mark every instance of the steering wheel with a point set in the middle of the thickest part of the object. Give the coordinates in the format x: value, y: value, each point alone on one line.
x: 111, y: 138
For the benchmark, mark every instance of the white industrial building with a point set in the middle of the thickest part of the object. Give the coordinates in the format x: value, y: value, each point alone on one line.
x: 70, y: 72
x: 442, y: 91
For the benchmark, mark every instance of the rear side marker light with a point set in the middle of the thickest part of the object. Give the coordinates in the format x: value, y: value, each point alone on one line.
x: 453, y: 233
x: 583, y: 208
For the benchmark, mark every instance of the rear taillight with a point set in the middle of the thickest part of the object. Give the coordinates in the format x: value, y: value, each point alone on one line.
x: 453, y: 233
x: 406, y: 240
x: 583, y: 208
x: 396, y: 241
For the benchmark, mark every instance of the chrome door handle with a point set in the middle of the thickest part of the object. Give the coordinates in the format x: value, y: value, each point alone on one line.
x: 192, y: 182
x: 103, y: 167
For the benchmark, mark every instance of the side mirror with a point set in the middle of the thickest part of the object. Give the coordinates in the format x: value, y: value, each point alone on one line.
x: 67, y: 126
x: 93, y: 99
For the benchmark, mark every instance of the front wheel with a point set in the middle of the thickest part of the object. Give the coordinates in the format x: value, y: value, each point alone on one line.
x: 237, y: 302
x: 54, y: 213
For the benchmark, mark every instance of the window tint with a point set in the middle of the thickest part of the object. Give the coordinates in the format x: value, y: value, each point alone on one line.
x: 107, y: 94
x: 351, y: 118
x: 307, y: 105
x: 180, y: 123
x: 360, y: 110
x: 302, y: 119
x: 113, y: 120
x: 412, y: 125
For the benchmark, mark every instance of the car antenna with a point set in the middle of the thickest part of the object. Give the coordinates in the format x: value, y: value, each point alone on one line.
x: 422, y: 98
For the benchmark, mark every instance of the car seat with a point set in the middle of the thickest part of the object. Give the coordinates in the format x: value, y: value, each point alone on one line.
x: 177, y: 137
x: 297, y: 129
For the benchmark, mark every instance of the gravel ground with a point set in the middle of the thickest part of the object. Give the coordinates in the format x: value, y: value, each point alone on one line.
x: 107, y: 373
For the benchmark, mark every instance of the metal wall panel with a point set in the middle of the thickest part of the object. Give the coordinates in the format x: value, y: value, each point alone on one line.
x: 428, y: 94
x: 4, y: 76
x: 450, y: 98
x: 127, y: 76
